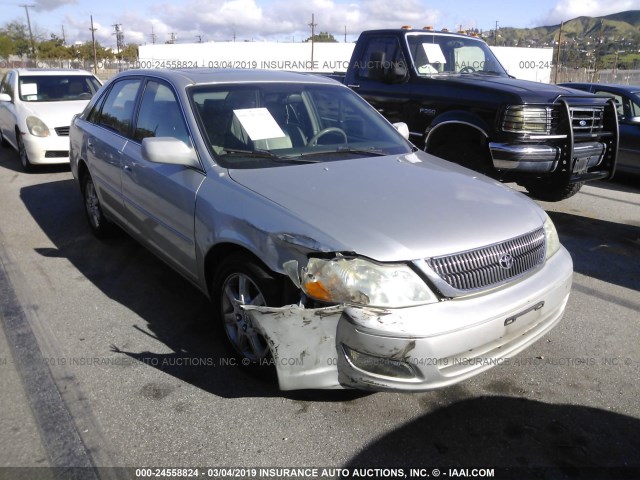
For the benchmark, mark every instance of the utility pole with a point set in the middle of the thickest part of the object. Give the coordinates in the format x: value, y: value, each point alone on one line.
x: 345, y: 34
x: 199, y: 37
x: 495, y: 35
x: 172, y: 37
x: 555, y: 80
x: 64, y: 39
x: 93, y: 41
x: 153, y: 36
x: 119, y: 36
x: 33, y: 45
x: 313, y: 26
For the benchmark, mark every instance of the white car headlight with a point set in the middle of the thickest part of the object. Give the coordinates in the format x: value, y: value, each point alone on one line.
x: 358, y: 281
x: 551, y: 237
x: 37, y: 127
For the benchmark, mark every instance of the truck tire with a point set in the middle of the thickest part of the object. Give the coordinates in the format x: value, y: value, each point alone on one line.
x: 548, y: 191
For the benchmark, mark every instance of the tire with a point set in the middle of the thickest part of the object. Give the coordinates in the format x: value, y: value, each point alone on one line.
x: 100, y: 226
x: 239, y: 280
x: 547, y: 191
x: 27, y: 166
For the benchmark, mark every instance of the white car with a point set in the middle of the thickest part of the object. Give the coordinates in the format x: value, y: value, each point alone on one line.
x: 36, y: 108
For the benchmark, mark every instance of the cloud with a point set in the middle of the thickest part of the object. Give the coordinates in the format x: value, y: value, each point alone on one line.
x: 49, y: 5
x: 569, y: 9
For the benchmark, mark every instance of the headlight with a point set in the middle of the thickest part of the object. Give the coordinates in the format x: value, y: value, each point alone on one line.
x: 551, y: 237
x: 527, y: 119
x: 362, y: 282
x: 37, y: 127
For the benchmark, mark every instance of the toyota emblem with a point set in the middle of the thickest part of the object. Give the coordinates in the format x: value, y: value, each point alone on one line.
x: 506, y: 261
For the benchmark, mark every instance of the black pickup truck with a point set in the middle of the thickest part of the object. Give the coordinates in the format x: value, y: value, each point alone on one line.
x: 460, y: 104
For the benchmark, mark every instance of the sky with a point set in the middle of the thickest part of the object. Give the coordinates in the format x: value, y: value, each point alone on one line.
x: 284, y: 21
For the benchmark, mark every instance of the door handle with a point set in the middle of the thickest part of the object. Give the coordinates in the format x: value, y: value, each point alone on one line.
x: 353, y: 86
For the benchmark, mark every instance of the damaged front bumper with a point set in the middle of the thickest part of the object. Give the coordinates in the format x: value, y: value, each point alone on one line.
x: 415, y: 348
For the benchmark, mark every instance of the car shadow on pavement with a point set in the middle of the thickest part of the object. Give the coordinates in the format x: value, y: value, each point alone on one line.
x: 172, y: 310
x: 518, y: 437
x: 601, y: 249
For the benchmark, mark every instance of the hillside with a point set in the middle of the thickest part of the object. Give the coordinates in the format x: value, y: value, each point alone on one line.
x: 619, y: 27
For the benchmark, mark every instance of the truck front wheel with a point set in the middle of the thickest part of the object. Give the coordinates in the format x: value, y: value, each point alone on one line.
x: 552, y: 191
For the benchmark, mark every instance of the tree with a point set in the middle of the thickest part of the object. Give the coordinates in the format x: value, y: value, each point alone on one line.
x: 53, y: 49
x: 129, y: 52
x: 324, y: 37
x: 7, y: 46
x: 19, y: 35
x: 84, y: 51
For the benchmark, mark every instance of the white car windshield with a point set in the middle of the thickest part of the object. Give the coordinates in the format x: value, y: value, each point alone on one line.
x: 57, y: 88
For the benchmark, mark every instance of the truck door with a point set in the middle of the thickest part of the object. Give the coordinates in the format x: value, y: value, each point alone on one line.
x: 381, y: 77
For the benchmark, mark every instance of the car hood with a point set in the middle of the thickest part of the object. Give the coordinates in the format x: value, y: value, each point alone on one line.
x: 519, y: 90
x: 54, y: 114
x: 396, y: 207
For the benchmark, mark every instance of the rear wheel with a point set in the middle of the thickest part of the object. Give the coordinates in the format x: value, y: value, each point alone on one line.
x: 241, y: 280
x: 27, y: 166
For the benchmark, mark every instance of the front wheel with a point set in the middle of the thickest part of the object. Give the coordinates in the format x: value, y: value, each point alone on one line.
x: 27, y: 166
x: 552, y: 191
x: 241, y: 280
x: 100, y: 225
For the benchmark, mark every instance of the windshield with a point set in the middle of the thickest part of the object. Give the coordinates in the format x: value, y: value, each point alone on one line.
x: 57, y: 88
x: 271, y: 124
x: 446, y: 54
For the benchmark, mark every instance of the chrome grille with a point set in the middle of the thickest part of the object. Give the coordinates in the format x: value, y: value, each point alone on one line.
x: 481, y: 268
x: 587, y: 119
x: 62, y: 131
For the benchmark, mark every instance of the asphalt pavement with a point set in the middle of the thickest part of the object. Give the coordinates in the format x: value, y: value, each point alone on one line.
x: 109, y: 359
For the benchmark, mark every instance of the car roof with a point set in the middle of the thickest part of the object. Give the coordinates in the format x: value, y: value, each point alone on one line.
x: 48, y: 72
x: 204, y: 76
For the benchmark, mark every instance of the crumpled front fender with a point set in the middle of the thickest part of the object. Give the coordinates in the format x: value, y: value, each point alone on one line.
x: 302, y: 342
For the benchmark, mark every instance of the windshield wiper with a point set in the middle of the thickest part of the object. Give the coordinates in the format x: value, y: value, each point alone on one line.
x: 267, y: 154
x: 373, y: 151
x: 367, y: 151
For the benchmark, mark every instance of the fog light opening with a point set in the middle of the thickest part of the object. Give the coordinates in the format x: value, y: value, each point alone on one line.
x: 381, y: 366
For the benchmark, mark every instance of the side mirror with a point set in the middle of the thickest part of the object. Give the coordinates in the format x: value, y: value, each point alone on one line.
x: 169, y: 150
x: 5, y: 97
x: 403, y: 129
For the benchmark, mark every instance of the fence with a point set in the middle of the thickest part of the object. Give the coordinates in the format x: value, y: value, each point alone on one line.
x: 105, y: 69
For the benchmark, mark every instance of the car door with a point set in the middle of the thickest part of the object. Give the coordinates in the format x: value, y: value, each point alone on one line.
x: 160, y: 198
x: 106, y: 133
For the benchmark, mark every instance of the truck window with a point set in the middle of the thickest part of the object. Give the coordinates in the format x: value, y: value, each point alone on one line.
x: 433, y: 54
x: 381, y: 60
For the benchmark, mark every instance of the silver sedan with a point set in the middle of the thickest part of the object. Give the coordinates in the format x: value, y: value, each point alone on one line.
x: 331, y: 248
